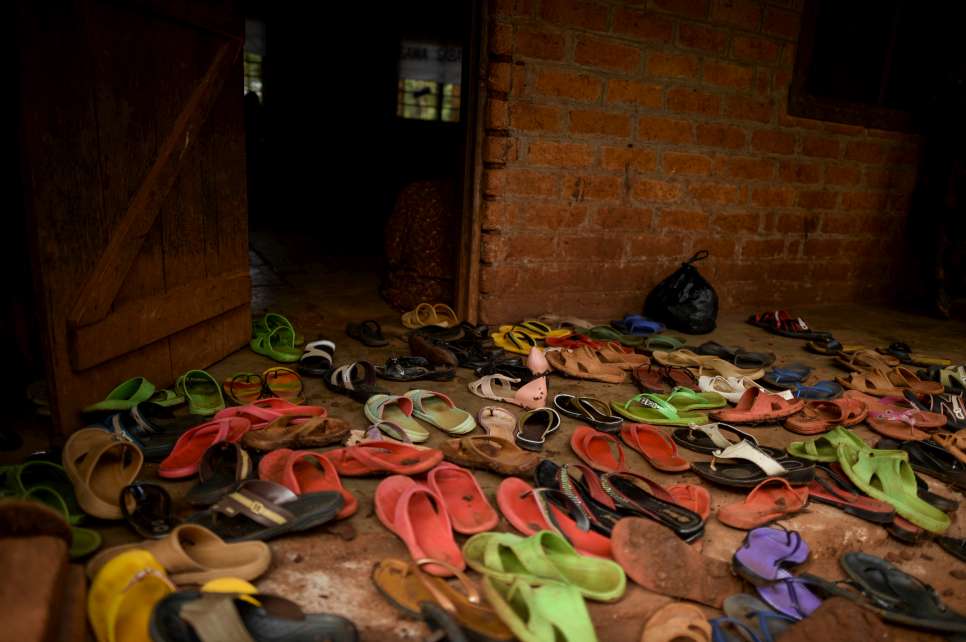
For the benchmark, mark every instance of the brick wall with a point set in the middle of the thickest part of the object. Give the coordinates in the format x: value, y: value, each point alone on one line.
x: 622, y: 137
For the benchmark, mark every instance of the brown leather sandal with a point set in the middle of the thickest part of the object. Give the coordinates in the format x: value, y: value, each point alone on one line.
x: 284, y: 432
x: 583, y: 363
x: 490, y: 453
x: 821, y: 416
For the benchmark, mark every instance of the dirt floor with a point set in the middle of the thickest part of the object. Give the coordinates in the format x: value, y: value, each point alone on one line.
x: 328, y: 569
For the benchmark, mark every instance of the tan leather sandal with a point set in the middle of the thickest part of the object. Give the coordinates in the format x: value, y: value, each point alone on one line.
x: 583, y: 363
x: 490, y: 453
x: 99, y: 465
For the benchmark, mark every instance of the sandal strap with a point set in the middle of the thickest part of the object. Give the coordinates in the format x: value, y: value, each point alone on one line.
x: 746, y: 451
x: 260, y: 501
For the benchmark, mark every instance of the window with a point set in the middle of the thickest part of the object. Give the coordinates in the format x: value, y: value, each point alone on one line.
x: 253, y: 74
x: 429, y: 81
x: 254, y: 55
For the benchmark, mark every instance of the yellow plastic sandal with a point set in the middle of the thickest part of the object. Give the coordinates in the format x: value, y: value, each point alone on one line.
x: 123, y: 595
x: 516, y: 341
x: 438, y: 314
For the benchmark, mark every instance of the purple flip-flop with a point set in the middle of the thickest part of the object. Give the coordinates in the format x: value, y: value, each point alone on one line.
x: 760, y: 560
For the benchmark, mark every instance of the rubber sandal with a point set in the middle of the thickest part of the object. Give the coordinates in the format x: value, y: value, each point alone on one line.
x: 742, y: 465
x: 264, y: 411
x: 677, y: 622
x: 706, y: 365
x: 950, y: 407
x: 588, y: 410
x: 832, y: 347
x: 438, y: 410
x: 243, y: 387
x: 147, y: 509
x: 924, y: 420
x: 262, y: 510
x: 761, y: 620
x: 669, y: 566
x: 406, y: 587
x: 638, y: 326
x: 278, y: 345
x: 317, y: 358
x: 367, y: 332
x: 497, y: 387
x: 788, y: 376
x: 613, y: 354
x: 186, y: 455
x: 738, y: 356
x: 533, y: 510
x: 930, y: 459
x: 271, y: 321
x: 647, y: 408
x: 573, y: 341
x: 497, y: 422
x: 283, y: 383
x: 607, y: 333
x: 424, y: 314
x: 544, y: 613
x: 708, y: 438
x: 897, y: 424
x: 305, y: 471
x: 545, y: 558
x: 825, y: 447
x: 413, y: 369
x: 516, y: 341
x: 398, y: 411
x: 662, y: 342
x: 782, y: 323
x: 955, y: 546
x: 833, y: 489
x: 356, y: 379
x: 732, y: 388
x: 490, y: 453
x: 534, y: 426
x: 537, y: 362
x: 289, y: 431
x: 656, y: 447
x: 383, y: 457
x: 686, y: 400
x: 464, y: 501
x: 188, y: 616
x: 124, y: 396
x: 99, y: 465
x: 903, y: 353
x: 762, y: 559
x: 954, y: 444
x: 756, y: 406
x: 123, y: 594
x: 583, y: 363
x: 654, y: 502
x: 820, y: 416
x: 770, y: 500
x: 221, y: 468
x: 202, y: 392
x: 597, y: 450
x: 417, y: 515
x: 662, y: 379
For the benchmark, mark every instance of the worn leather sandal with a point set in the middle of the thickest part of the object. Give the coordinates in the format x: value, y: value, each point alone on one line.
x: 288, y: 431
x: 490, y: 453
x: 383, y: 458
x: 705, y: 365
x: 583, y: 363
x: 221, y: 468
x: 821, y: 416
x: 677, y: 622
x: 100, y: 465
x: 662, y: 379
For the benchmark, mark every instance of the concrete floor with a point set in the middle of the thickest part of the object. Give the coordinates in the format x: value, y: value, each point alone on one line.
x: 328, y: 569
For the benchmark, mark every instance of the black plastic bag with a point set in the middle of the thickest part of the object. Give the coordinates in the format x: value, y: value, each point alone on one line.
x: 684, y: 301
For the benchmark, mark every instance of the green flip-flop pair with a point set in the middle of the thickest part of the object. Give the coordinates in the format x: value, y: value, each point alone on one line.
x: 649, y: 408
x: 132, y: 392
x: 272, y: 321
x: 202, y: 392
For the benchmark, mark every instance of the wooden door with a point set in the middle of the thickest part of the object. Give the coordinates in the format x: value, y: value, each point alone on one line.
x: 133, y: 159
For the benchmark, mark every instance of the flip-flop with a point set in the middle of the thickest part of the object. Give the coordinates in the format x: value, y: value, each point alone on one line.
x: 708, y: 438
x: 757, y: 406
x: 743, y: 465
x: 438, y: 410
x: 928, y: 458
x: 759, y: 618
x: 833, y: 489
x: 262, y: 510
x: 464, y: 501
x: 516, y: 341
x: 367, y: 332
x: 950, y: 407
x: 655, y: 502
x: 99, y: 465
x: 124, y: 396
x: 655, y: 446
x: 278, y: 345
x: 284, y: 383
x: 597, y: 449
x: 770, y: 500
x: 382, y: 458
x: 648, y: 408
x: 202, y: 392
x: 417, y: 515
x: 222, y: 466
x: 819, y: 390
x: 397, y: 410
x: 607, y: 333
x: 542, y: 613
x: 662, y: 379
x: 123, y: 595
x: 262, y: 412
x: 185, y: 457
x: 490, y: 453
x: 305, y: 471
x: 496, y: 422
x: 147, y: 509
x: 583, y: 491
x: 669, y: 566
x: 588, y: 410
x: 762, y: 560
x: 638, y: 326
x: 686, y: 400
x: 406, y: 586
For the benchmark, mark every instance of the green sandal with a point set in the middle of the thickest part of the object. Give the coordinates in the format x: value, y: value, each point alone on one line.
x: 167, y: 398
x: 650, y: 408
x: 685, y: 399
x: 124, y: 397
x: 279, y: 344
x: 548, y: 613
x: 886, y: 475
x: 544, y: 558
x: 662, y: 342
x: 825, y: 447
x: 607, y: 333
x: 202, y: 392
x: 271, y: 321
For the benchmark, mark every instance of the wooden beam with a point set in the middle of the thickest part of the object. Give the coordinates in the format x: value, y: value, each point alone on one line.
x: 102, y: 285
x: 143, y: 321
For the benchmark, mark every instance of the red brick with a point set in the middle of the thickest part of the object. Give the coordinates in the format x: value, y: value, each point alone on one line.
x: 531, y: 117
x: 693, y: 36
x: 607, y: 54
x: 779, y: 22
x: 650, y: 245
x: 817, y: 199
x: 689, y: 8
x: 763, y: 81
x: 742, y: 108
x: 903, y: 154
x: 799, y: 172
x: 726, y: 74
x: 675, y: 163
x: 863, y: 200
x: 746, y: 168
x: 722, y: 193
x: 788, y: 55
x: 593, y: 248
x: 754, y: 49
x: 530, y: 247
x: 512, y: 8
x: 851, y: 223
x: 623, y: 218
x: 518, y: 82
x: 820, y: 248
x: 497, y: 116
x: 736, y: 222
x: 492, y: 248
x: 574, y: 13
x: 865, y: 151
x: 743, y: 13
x: 623, y: 158
x: 693, y: 101
x: 894, y: 178
x: 560, y: 154
x: 762, y: 248
x: 726, y: 136
x: 783, y: 78
x: 552, y: 216
x: 643, y: 25
x: 498, y: 77
x: 568, y: 84
x: 683, y: 220
x: 841, y: 175
x: 501, y: 39
x: 495, y: 215
x: 717, y: 246
x: 821, y: 146
x: 667, y: 130
x: 634, y: 92
x: 539, y: 44
x: 580, y: 188
x: 656, y: 190
x: 584, y: 121
x: 796, y: 223
x: 670, y: 65
x: 519, y: 181
x: 499, y: 149
x: 776, y: 142
x: 773, y: 196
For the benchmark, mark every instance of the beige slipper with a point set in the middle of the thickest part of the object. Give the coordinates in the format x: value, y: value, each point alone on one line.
x: 100, y: 465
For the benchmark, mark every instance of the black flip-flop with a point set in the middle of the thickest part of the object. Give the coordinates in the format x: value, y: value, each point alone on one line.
x: 601, y: 518
x: 747, y: 474
x: 368, y: 332
x: 930, y: 459
x: 685, y: 523
x: 357, y: 380
x: 444, y: 625
x: 955, y: 546
x: 147, y: 510
x: 588, y: 410
x: 413, y: 369
x: 221, y: 468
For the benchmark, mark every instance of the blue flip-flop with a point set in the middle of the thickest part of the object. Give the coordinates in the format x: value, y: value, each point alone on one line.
x: 637, y: 325
x: 787, y: 377
x: 823, y: 390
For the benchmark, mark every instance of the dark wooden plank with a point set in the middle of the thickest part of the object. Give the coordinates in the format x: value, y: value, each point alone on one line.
x: 209, y: 342
x: 101, y: 287
x: 143, y: 321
